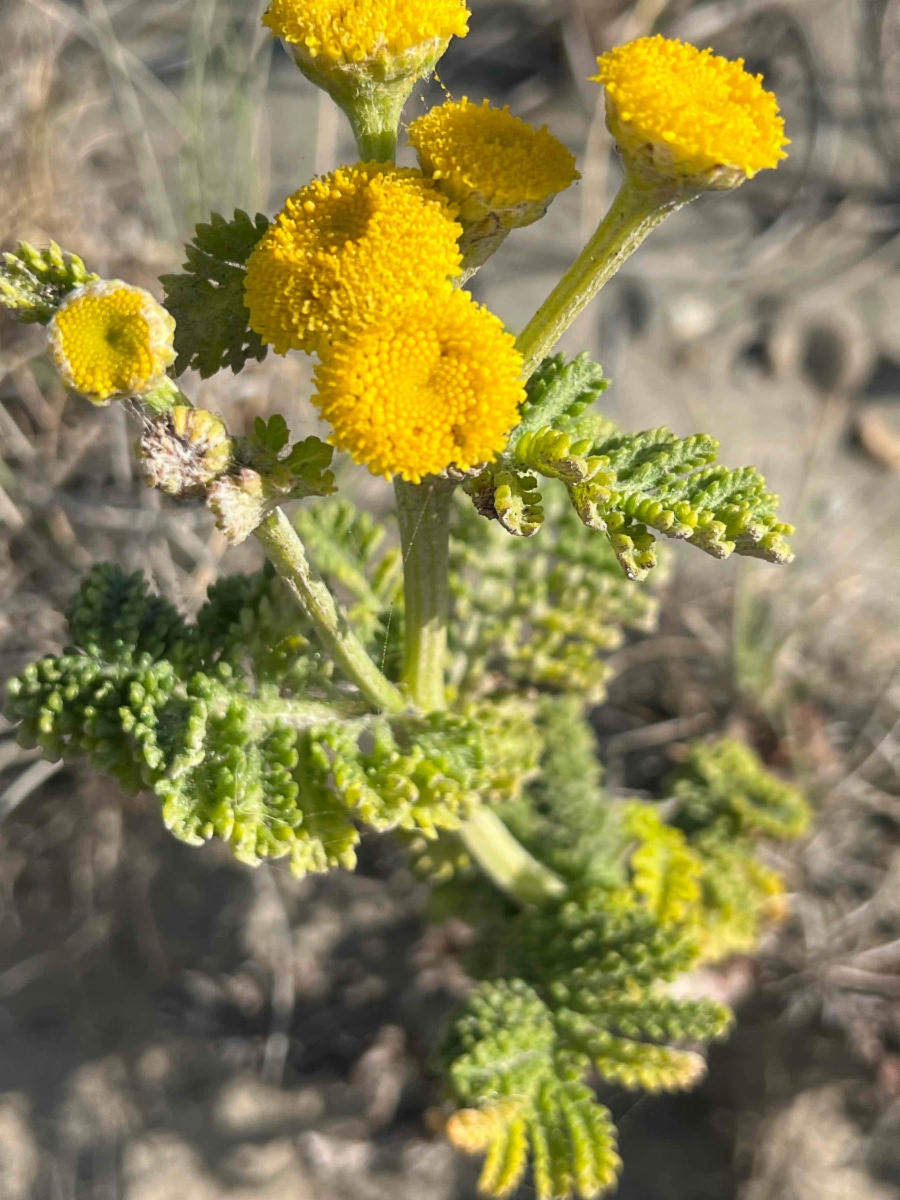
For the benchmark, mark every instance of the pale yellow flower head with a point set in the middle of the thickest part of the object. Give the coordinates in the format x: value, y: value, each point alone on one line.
x: 344, y: 248
x: 688, y: 114
x: 110, y: 340
x: 386, y: 37
x: 428, y: 386
x: 490, y: 162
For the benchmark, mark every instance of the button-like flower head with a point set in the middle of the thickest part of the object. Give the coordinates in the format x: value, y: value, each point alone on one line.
x: 368, y: 34
x: 688, y: 115
x: 110, y: 340
x: 428, y: 386
x: 488, y: 161
x: 501, y: 172
x: 343, y: 249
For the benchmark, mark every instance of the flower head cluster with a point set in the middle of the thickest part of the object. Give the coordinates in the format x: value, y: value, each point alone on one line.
x: 488, y: 161
x: 429, y: 385
x: 689, y: 114
x: 110, y: 340
x: 343, y: 249
x: 349, y: 32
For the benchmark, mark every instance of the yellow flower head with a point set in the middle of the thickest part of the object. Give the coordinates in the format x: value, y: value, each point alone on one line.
x: 488, y: 161
x: 351, y: 32
x: 344, y: 248
x: 689, y: 114
x: 430, y: 385
x: 110, y: 340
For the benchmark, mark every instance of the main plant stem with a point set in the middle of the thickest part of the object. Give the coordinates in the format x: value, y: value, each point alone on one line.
x: 423, y: 514
x: 635, y: 212
x: 288, y: 556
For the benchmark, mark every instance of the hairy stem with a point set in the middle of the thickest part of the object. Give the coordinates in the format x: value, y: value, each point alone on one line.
x: 635, y: 212
x: 423, y: 513
x: 506, y: 862
x: 375, y: 118
x: 286, y: 551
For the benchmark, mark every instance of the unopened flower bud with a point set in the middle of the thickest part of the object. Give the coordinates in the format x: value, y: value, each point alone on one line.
x: 184, y: 451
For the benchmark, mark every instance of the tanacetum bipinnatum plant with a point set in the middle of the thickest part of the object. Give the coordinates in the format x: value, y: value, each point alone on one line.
x: 437, y: 689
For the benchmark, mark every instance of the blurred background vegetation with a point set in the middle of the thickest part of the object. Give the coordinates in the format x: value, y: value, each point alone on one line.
x: 175, y: 1025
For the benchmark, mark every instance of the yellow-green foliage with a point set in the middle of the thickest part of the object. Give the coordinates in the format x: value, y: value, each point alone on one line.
x: 538, y: 613
x: 726, y: 803
x: 581, y: 984
x: 240, y: 728
x: 504, y: 1067
x: 665, y: 873
x: 630, y: 487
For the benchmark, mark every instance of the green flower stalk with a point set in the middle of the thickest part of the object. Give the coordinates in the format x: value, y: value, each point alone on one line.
x: 685, y: 122
x: 367, y: 57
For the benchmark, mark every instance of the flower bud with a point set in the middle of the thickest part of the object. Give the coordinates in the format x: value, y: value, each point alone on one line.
x: 184, y: 451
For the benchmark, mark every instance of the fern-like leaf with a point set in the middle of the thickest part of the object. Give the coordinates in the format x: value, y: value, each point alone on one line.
x: 538, y: 613
x: 665, y: 872
x: 630, y: 487
x: 559, y: 392
x: 503, y: 1070
x: 722, y: 787
x: 266, y: 754
x: 207, y: 297
x: 557, y: 395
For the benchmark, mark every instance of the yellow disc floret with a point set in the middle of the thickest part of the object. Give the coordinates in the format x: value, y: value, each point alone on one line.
x: 430, y: 385
x: 487, y: 160
x: 353, y: 31
x: 345, y: 248
x: 695, y: 112
x: 110, y: 340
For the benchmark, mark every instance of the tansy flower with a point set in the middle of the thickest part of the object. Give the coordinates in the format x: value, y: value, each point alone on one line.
x: 490, y: 162
x: 428, y: 386
x: 110, y: 340
x: 689, y: 114
x: 502, y: 173
x: 353, y: 31
x: 343, y: 249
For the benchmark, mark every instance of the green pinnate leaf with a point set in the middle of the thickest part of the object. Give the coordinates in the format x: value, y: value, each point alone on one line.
x: 207, y: 297
x: 34, y: 283
x: 723, y: 788
x: 237, y: 726
x: 665, y: 872
x: 538, y: 613
x: 559, y: 392
x: 515, y: 1094
x: 630, y: 487
x: 630, y: 1063
x: 272, y: 435
x: 657, y: 481
x: 114, y: 617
